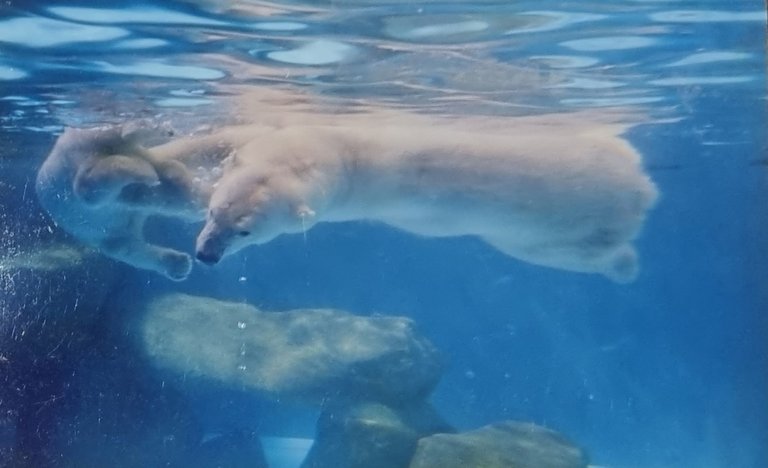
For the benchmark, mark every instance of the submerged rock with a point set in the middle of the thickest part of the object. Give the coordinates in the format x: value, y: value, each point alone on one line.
x: 371, y: 435
x: 503, y: 445
x: 307, y: 355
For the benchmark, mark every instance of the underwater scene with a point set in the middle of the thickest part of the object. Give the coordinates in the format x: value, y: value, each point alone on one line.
x: 383, y: 234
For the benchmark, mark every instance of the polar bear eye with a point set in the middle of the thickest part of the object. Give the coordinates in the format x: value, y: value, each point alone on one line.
x: 244, y: 233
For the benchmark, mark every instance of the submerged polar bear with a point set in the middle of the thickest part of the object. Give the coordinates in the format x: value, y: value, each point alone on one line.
x: 549, y: 190
x: 557, y: 190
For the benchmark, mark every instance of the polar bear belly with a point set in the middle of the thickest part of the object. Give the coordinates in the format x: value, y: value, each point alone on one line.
x: 575, y: 212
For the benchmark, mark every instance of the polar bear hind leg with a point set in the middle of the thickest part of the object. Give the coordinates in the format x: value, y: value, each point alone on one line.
x: 618, y: 263
x: 176, y: 177
x: 177, y: 194
x: 102, y: 181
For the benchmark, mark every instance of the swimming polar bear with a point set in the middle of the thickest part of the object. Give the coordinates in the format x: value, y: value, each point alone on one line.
x: 558, y: 190
x: 554, y: 190
x: 100, y: 185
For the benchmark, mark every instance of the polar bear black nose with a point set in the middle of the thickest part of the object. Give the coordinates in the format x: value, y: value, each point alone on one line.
x: 208, y: 258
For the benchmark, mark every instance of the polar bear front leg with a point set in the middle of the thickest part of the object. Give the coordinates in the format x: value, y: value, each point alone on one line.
x: 128, y: 246
x: 136, y: 252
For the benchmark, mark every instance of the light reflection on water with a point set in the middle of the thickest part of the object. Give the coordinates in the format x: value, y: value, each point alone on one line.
x: 584, y: 56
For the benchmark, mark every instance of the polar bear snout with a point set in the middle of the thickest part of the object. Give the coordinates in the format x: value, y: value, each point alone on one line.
x: 208, y: 258
x: 211, y: 243
x: 209, y: 249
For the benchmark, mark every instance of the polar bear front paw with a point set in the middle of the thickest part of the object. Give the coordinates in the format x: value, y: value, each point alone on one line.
x: 177, y: 265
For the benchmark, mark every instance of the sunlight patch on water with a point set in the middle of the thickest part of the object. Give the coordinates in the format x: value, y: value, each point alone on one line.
x: 62, y: 102
x: 187, y: 93
x: 321, y: 52
x: 555, y: 20
x: 707, y: 16
x: 610, y: 102
x: 701, y: 80
x: 448, y: 29
x: 710, y: 57
x: 279, y: 26
x: 566, y: 61
x: 182, y: 102
x: 138, y: 44
x: 44, y: 129
x: 588, y: 83
x: 45, y: 32
x: 140, y: 15
x: 22, y: 101
x: 468, y: 27
x: 158, y: 69
x: 419, y: 28
x: 8, y: 72
x: 609, y: 43
x: 160, y: 16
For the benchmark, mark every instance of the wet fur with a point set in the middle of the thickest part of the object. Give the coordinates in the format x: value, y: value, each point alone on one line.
x: 560, y: 190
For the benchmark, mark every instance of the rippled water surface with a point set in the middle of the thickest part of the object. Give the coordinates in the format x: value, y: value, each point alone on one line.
x: 507, y: 57
x: 670, y: 371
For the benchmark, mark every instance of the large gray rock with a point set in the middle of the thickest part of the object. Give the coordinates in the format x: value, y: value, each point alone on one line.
x: 308, y: 355
x: 371, y: 435
x: 502, y: 445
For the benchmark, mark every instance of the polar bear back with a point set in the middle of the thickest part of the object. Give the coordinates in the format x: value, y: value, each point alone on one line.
x: 532, y: 182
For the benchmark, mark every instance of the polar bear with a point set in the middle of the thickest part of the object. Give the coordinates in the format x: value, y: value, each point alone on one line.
x: 554, y: 190
x: 100, y: 185
x: 559, y: 190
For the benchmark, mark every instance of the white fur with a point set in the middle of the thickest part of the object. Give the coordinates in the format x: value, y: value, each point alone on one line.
x: 552, y: 191
x: 563, y: 190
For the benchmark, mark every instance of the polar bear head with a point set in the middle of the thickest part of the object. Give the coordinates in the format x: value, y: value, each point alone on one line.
x: 250, y: 208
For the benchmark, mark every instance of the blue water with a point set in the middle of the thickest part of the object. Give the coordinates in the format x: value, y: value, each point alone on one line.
x: 669, y: 371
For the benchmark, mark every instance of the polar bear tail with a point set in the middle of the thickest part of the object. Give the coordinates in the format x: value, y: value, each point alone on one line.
x: 623, y: 266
